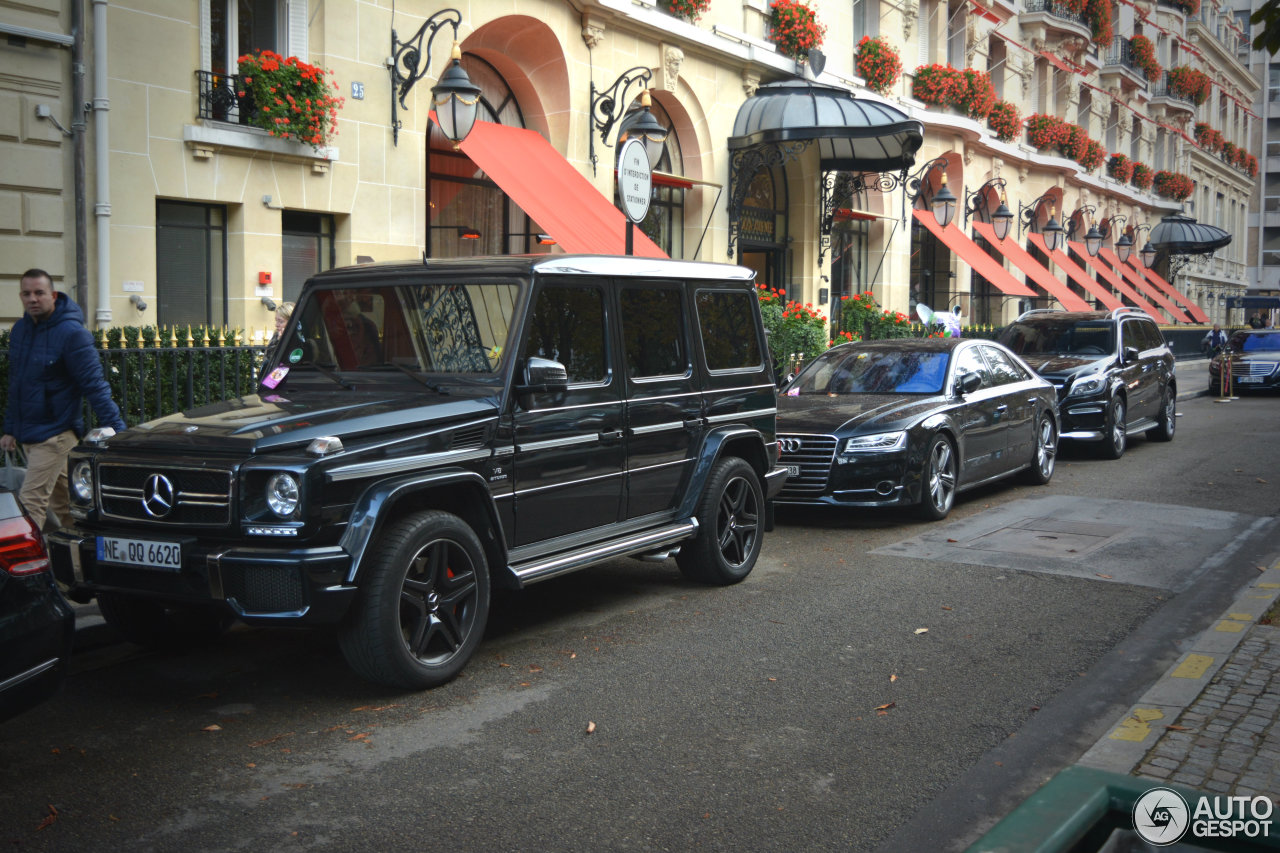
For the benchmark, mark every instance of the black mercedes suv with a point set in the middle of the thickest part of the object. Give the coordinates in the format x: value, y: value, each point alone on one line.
x: 1113, y: 371
x: 423, y: 431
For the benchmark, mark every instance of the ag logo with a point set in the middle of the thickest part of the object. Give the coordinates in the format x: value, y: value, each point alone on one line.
x: 1161, y: 816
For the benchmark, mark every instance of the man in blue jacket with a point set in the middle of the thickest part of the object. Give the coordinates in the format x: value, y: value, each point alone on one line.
x: 52, y: 365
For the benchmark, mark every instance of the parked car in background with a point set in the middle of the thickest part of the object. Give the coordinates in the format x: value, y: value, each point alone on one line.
x: 913, y: 421
x: 1113, y: 371
x: 427, y: 430
x: 37, y: 625
x: 1255, y: 361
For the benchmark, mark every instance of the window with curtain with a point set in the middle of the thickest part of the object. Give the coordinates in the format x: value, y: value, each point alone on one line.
x: 237, y: 27
x: 306, y: 241
x: 191, y: 257
x: 866, y: 19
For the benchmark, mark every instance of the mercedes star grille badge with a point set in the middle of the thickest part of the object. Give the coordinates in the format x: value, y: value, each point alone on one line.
x: 158, y: 496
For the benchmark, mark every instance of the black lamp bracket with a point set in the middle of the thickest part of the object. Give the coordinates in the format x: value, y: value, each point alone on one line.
x: 609, y: 105
x: 1114, y: 222
x: 407, y: 64
x: 1027, y: 212
x: 915, y: 181
x: 1087, y: 209
x: 973, y: 200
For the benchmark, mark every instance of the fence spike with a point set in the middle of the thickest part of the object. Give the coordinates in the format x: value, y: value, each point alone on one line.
x: 191, y: 341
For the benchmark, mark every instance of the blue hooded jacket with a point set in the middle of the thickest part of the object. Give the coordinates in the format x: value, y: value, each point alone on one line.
x: 53, y: 364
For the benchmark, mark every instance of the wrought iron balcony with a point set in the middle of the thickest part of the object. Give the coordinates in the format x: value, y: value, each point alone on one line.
x: 1163, y: 90
x: 220, y: 98
x: 1121, y: 53
x: 1059, y: 10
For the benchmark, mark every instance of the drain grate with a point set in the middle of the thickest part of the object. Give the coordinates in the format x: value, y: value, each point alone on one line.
x: 1047, y: 537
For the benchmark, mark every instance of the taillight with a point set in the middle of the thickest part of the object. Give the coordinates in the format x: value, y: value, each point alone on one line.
x: 22, y: 549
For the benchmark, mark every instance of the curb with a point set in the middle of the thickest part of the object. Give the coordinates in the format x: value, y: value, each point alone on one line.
x: 1125, y: 746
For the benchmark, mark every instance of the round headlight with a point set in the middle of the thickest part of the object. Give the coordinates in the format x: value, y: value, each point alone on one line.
x: 82, y: 482
x: 282, y: 494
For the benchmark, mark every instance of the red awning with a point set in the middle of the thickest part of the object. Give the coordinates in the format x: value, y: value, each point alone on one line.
x: 1032, y: 269
x: 551, y: 191
x: 1135, y: 277
x: 1057, y: 61
x: 972, y: 254
x: 1082, y: 278
x: 1196, y: 312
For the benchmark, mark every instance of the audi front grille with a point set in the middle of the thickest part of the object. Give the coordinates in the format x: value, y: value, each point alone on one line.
x: 812, y: 455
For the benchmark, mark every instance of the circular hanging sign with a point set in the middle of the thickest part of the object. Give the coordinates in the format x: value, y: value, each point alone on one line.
x: 635, y: 180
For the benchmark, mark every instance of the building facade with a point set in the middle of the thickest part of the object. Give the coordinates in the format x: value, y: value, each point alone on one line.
x: 164, y: 202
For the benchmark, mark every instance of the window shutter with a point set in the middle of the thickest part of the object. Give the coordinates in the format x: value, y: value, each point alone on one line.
x: 296, y: 28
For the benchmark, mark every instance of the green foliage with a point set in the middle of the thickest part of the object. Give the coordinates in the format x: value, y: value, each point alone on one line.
x: 862, y: 318
x: 796, y: 332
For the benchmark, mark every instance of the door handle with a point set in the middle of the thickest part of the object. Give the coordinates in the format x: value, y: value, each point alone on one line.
x: 693, y: 424
x: 610, y: 436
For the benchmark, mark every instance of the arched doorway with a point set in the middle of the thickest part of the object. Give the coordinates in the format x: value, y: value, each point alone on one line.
x: 762, y: 233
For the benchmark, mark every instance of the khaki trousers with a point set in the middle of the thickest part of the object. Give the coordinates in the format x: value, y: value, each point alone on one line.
x: 44, y: 490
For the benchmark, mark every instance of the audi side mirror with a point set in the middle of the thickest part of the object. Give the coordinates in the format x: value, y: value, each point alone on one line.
x: 969, y: 383
x: 1130, y: 354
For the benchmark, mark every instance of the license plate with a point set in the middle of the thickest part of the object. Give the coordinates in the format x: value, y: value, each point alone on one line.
x: 793, y: 470
x: 140, y: 552
x: 1249, y: 378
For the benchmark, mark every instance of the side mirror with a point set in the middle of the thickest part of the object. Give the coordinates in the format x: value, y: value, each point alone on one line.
x: 542, y: 376
x: 969, y: 383
x: 1129, y: 354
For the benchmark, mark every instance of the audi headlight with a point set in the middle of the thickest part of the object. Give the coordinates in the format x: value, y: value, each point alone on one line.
x: 282, y: 494
x: 879, y: 442
x: 82, y: 482
x: 1086, y: 386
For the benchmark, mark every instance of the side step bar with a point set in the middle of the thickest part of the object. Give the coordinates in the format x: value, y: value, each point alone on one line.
x: 560, y: 564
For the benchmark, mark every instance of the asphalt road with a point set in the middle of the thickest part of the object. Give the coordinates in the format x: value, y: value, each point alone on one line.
x: 626, y: 709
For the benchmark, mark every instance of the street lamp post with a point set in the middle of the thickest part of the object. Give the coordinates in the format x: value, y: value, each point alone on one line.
x: 1053, y: 233
x: 1001, y: 218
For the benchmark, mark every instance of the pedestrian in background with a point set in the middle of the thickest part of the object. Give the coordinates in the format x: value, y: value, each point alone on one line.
x: 1256, y: 321
x: 53, y: 366
x: 1213, y: 339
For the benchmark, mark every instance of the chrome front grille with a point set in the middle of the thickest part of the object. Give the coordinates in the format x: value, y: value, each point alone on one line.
x: 201, y: 497
x: 1252, y: 368
x: 812, y: 454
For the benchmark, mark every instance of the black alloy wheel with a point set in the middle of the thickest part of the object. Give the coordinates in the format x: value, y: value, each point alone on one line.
x: 731, y: 526
x: 1166, y: 421
x: 1046, y: 453
x: 423, y: 603
x: 938, y: 480
x: 1115, y: 440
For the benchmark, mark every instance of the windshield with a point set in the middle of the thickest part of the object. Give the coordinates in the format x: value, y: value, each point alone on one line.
x: 1084, y: 337
x: 421, y: 328
x: 873, y: 372
x: 1251, y: 342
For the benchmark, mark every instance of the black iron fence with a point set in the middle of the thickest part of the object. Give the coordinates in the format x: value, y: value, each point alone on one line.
x: 1058, y: 9
x: 154, y: 372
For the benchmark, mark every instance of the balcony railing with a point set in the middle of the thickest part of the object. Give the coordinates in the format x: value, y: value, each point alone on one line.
x: 1162, y: 90
x: 220, y: 99
x: 1121, y: 54
x: 1058, y: 10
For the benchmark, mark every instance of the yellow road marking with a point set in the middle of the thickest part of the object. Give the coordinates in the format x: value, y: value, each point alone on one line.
x: 1194, y: 666
x: 1227, y: 626
x: 1242, y: 617
x: 1137, y: 725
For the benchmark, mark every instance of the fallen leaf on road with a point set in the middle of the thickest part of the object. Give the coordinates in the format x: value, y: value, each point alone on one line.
x: 213, y: 695
x: 213, y: 727
x: 375, y: 707
x: 771, y: 678
x: 922, y: 630
x: 533, y: 667
x: 886, y: 706
x: 591, y: 727
x: 1101, y: 575
x: 505, y: 664
x: 361, y: 736
x: 1173, y: 728
x: 48, y: 819
x: 945, y: 607
x: 1262, y: 481
x: 893, y: 678
x: 953, y: 540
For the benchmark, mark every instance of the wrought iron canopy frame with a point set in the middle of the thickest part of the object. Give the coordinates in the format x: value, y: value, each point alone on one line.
x: 407, y: 66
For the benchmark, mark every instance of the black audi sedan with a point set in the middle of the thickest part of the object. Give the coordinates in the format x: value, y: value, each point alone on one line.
x: 1255, y: 361
x: 37, y: 626
x: 913, y: 421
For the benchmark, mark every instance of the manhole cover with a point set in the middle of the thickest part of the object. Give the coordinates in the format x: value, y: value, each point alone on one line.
x: 1047, y: 537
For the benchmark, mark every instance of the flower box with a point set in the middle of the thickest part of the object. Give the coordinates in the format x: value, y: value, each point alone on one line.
x: 794, y: 28
x: 878, y: 64
x: 291, y: 98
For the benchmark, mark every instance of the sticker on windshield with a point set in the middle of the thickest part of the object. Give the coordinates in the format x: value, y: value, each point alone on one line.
x: 275, y: 377
x: 295, y: 356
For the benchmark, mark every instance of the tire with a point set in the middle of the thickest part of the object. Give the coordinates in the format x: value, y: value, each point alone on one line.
x: 731, y: 519
x: 1167, y: 420
x: 159, y: 626
x: 1046, y: 454
x: 422, y: 606
x: 938, y: 480
x: 1113, y: 444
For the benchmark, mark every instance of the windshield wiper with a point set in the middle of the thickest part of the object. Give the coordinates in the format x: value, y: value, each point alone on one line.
x: 439, y: 389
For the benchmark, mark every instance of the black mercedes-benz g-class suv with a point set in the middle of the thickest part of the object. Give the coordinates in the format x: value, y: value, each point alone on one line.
x: 423, y: 431
x: 1113, y: 371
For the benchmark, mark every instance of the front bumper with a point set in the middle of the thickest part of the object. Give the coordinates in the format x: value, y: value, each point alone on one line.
x: 1083, y: 419
x: 859, y: 480
x: 260, y: 584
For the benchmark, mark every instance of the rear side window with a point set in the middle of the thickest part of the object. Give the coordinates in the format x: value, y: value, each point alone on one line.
x: 568, y: 327
x: 726, y: 321
x: 653, y: 332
